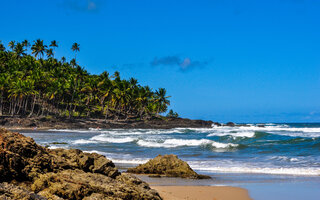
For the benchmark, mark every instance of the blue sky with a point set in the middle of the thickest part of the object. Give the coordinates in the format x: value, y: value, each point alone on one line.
x: 224, y: 60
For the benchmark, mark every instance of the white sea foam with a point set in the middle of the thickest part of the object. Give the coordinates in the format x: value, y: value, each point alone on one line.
x: 248, y: 134
x: 83, y: 141
x: 257, y: 170
x: 98, y: 152
x: 130, y: 161
x: 53, y: 147
x: 171, y: 143
x: 249, y: 131
x: 285, y: 158
x: 106, y: 138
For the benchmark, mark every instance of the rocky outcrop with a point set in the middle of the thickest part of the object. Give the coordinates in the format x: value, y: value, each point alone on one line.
x: 85, y: 123
x: 230, y: 124
x: 76, y: 184
x: 167, y: 165
x: 63, y: 174
x: 12, y: 192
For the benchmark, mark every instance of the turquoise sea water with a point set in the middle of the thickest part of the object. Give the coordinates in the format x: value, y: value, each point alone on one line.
x: 246, y: 156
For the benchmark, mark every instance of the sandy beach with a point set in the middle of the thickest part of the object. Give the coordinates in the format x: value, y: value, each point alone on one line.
x: 202, y: 193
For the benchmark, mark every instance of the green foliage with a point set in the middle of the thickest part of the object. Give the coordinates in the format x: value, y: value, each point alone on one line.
x: 41, y: 85
x: 172, y: 114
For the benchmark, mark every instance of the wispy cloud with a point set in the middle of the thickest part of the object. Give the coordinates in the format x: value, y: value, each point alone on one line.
x: 183, y: 64
x: 83, y: 5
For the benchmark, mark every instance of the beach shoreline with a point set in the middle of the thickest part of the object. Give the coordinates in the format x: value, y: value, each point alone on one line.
x: 45, y: 123
x: 202, y: 192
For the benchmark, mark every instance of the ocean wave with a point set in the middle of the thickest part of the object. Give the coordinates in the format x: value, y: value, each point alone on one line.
x: 130, y: 161
x: 171, y: 143
x: 248, y: 131
x: 248, y: 134
x: 105, y: 138
x: 237, y: 131
x: 284, y: 158
x: 267, y: 170
x: 83, y: 141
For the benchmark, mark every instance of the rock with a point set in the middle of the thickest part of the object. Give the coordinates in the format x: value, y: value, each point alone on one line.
x: 88, y: 162
x: 64, y: 174
x: 76, y: 184
x: 167, y: 165
x: 230, y: 124
x: 12, y: 192
x: 85, y: 123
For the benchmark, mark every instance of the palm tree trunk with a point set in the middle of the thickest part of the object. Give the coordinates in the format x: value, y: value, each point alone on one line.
x: 34, y: 102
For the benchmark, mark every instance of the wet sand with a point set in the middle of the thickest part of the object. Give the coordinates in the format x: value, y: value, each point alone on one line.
x: 202, y: 193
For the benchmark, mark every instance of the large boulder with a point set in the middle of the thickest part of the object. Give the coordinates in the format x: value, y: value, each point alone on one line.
x: 167, y: 165
x: 62, y: 174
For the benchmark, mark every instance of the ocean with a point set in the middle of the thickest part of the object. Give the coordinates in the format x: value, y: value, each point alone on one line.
x: 238, y: 156
x: 285, y: 149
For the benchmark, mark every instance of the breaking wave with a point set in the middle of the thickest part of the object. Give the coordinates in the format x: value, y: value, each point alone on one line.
x: 171, y: 143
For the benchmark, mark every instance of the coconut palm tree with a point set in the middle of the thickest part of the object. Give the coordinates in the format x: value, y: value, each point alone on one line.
x: 54, y: 45
x: 75, y: 48
x: 49, y: 53
x: 29, y: 87
x: 162, y: 100
x: 2, y: 47
x: 63, y: 59
x: 12, y: 44
x: 38, y: 48
x: 73, y: 63
x: 25, y: 43
x: 19, y: 49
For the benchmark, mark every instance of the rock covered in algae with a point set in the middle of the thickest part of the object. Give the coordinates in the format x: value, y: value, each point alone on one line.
x: 13, y: 192
x: 61, y: 174
x: 167, y: 165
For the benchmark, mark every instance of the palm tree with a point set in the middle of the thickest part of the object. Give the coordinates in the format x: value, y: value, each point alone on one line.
x: 2, y: 48
x: 73, y: 63
x: 12, y: 44
x: 63, y: 59
x: 75, y: 48
x: 19, y: 50
x: 38, y: 48
x: 25, y: 43
x: 162, y: 100
x: 30, y: 87
x: 54, y: 45
x: 49, y: 53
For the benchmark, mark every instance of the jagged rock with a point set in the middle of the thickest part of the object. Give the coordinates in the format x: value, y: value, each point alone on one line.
x: 13, y: 192
x: 230, y: 124
x: 88, y: 162
x: 167, y: 165
x: 64, y: 174
x: 76, y: 184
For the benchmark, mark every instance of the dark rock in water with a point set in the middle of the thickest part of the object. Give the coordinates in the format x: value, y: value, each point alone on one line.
x: 58, y: 143
x: 167, y: 165
x: 85, y: 123
x: 13, y: 192
x: 64, y: 174
x: 230, y: 124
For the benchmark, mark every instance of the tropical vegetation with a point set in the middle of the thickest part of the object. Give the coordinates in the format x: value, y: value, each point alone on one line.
x: 35, y: 83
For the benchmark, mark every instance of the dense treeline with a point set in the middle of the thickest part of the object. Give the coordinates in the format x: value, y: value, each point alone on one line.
x: 34, y: 83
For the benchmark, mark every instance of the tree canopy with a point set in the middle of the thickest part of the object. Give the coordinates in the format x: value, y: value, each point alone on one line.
x: 34, y: 83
